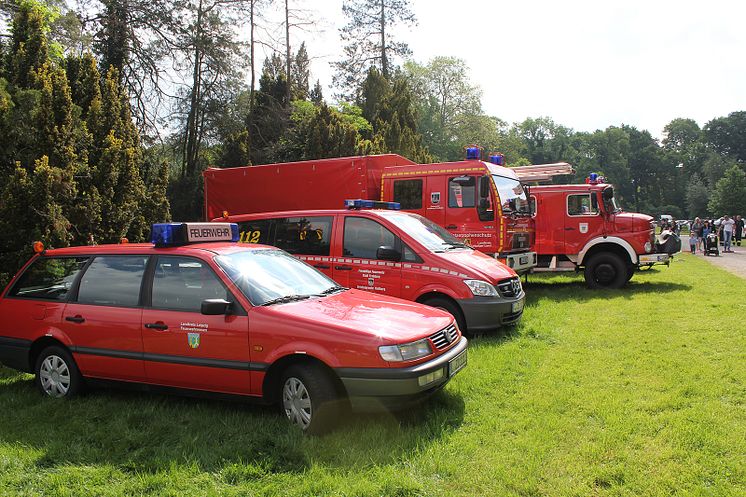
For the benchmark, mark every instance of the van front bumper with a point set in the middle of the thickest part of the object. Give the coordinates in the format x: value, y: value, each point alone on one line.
x: 371, y: 389
x: 489, y: 313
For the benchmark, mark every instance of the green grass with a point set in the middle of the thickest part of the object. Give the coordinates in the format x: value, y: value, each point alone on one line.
x: 634, y: 392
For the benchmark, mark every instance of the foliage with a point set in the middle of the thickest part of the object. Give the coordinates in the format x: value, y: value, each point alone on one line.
x: 729, y: 196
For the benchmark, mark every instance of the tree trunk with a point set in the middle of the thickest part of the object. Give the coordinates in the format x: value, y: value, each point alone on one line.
x: 251, y: 56
x: 384, y: 61
x: 191, y: 152
x: 287, y: 48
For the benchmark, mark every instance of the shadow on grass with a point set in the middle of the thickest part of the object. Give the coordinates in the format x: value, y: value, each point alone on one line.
x: 149, y: 432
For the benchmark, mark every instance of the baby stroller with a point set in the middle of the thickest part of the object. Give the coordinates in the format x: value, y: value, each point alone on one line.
x: 712, y: 244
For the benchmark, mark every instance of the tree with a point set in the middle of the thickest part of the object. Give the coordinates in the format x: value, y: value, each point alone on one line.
x: 368, y: 40
x: 729, y: 196
x: 697, y: 197
x: 727, y: 135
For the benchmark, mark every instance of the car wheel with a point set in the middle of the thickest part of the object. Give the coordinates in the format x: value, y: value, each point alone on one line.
x: 630, y: 271
x: 309, y: 398
x: 57, y: 375
x: 450, y: 308
x: 605, y: 270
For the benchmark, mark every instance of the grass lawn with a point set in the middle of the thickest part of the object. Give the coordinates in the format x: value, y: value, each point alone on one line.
x: 634, y: 392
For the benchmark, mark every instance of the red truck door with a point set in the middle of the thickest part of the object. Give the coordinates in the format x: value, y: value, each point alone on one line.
x: 462, y: 216
x: 583, y: 221
x: 358, y: 267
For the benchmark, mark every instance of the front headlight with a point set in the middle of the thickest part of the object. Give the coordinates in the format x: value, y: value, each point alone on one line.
x: 481, y: 288
x: 648, y: 247
x: 405, y: 351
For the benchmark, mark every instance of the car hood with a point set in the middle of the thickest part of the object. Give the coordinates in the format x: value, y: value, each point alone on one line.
x: 390, y: 319
x: 631, y: 221
x: 483, y: 266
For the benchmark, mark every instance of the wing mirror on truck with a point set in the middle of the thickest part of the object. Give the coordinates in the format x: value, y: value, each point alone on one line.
x: 215, y: 307
x: 388, y: 253
x: 484, y: 187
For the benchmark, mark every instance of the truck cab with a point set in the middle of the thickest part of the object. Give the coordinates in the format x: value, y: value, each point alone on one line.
x: 581, y: 227
x: 482, y: 204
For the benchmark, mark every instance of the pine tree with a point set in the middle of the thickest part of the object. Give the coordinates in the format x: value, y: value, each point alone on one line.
x: 316, y: 95
x: 299, y: 74
x: 29, y: 47
x: 84, y: 79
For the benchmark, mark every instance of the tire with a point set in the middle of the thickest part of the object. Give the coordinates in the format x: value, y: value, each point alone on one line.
x: 630, y: 272
x: 451, y: 308
x: 57, y: 375
x: 605, y: 270
x: 308, y: 398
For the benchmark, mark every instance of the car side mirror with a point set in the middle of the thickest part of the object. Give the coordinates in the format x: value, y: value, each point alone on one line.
x: 388, y: 253
x: 484, y: 187
x: 484, y: 204
x: 215, y: 307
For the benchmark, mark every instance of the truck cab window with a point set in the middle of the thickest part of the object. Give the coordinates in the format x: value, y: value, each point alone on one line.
x: 462, y: 191
x: 485, y: 208
x: 581, y: 205
x: 362, y: 237
x: 408, y: 192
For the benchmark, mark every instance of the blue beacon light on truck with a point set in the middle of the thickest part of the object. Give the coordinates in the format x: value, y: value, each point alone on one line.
x: 174, y: 234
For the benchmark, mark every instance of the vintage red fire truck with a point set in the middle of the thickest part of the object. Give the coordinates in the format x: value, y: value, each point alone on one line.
x: 581, y: 227
x: 481, y: 203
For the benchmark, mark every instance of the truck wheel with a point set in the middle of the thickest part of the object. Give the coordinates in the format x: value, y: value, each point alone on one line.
x: 450, y: 308
x: 57, y: 375
x: 630, y: 272
x: 309, y: 399
x: 605, y: 270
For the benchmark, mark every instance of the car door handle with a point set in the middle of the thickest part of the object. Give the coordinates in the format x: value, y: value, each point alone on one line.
x: 343, y: 268
x: 569, y: 229
x: 321, y: 266
x: 156, y: 326
x: 451, y: 227
x: 75, y: 319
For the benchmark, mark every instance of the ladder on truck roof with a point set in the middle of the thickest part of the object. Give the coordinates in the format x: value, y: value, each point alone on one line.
x: 542, y: 172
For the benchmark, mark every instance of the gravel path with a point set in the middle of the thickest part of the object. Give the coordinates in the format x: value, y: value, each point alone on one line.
x: 734, y: 262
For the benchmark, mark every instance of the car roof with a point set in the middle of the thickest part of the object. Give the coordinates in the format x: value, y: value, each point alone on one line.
x: 149, y: 248
x: 312, y: 212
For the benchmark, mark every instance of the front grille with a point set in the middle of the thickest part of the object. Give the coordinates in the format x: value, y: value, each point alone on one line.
x: 509, y: 288
x: 512, y: 317
x: 444, y: 337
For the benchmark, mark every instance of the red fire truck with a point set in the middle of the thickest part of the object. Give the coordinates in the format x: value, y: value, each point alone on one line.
x: 483, y: 204
x: 580, y: 227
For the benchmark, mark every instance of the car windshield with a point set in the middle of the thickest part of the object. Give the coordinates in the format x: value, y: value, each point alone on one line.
x: 512, y: 195
x: 609, y: 200
x: 274, y: 276
x: 426, y: 232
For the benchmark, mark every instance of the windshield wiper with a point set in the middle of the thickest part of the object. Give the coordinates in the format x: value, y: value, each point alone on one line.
x: 334, y: 289
x: 286, y: 299
x: 455, y: 245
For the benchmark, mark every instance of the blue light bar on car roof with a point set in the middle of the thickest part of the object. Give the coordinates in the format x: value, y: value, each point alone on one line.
x: 173, y: 234
x: 498, y: 159
x: 372, y: 204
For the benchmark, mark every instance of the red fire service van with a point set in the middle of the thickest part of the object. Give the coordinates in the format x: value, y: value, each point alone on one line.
x: 482, y: 204
x: 197, y: 312
x: 395, y: 253
x: 580, y: 227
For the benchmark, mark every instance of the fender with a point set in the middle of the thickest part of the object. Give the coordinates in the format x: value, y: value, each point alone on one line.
x: 55, y: 333
x: 305, y: 348
x: 435, y: 287
x: 609, y: 239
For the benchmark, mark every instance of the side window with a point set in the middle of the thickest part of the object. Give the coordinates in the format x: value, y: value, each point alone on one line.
x: 462, y: 191
x: 254, y: 231
x: 362, y: 237
x: 580, y: 205
x: 304, y: 235
x: 408, y: 255
x: 48, y: 278
x: 532, y: 205
x: 182, y: 283
x: 408, y: 192
x: 113, y: 280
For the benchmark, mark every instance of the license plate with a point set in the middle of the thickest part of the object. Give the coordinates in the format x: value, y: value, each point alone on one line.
x: 517, y: 306
x: 457, y: 363
x: 523, y: 260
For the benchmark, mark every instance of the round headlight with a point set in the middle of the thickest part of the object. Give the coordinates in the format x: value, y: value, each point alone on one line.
x: 648, y: 247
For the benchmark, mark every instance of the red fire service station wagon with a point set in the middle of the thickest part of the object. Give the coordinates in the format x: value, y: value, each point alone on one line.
x: 196, y: 312
x: 395, y: 253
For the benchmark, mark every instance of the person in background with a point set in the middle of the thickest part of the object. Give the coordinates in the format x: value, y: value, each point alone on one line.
x: 705, y: 231
x: 696, y: 228
x: 727, y: 227
x: 693, y: 241
x: 739, y: 227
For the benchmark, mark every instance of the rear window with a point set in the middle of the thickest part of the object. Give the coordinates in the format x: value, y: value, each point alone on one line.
x: 48, y: 278
x: 408, y: 192
x: 113, y: 280
x: 254, y: 231
x: 304, y: 235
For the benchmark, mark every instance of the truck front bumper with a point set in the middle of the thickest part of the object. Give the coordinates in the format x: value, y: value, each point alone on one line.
x: 489, y: 313
x: 373, y: 389
x: 520, y: 263
x: 651, y: 259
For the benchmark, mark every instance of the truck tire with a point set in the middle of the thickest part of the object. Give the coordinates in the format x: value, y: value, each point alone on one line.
x: 451, y: 308
x: 308, y: 398
x: 605, y: 270
x: 630, y: 272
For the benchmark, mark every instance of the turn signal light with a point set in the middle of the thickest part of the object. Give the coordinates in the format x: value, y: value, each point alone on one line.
x: 38, y: 247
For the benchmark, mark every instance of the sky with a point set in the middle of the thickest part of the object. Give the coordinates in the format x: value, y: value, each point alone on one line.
x: 585, y: 64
